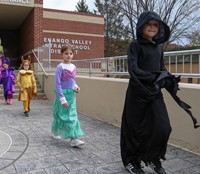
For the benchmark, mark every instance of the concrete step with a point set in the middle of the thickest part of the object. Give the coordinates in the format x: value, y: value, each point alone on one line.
x: 40, y: 92
x: 17, y: 88
x: 39, y: 96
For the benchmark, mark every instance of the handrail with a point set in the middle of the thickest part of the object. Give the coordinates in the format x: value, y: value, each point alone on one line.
x: 46, y: 75
x: 182, y: 52
x: 99, y: 59
x: 185, y: 63
x: 127, y: 73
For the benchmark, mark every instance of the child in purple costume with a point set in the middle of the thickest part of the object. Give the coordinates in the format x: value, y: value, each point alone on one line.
x: 7, y: 78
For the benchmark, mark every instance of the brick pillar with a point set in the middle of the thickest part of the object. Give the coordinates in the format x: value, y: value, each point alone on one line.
x: 38, y: 18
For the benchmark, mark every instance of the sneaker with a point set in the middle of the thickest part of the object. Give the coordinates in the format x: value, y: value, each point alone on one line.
x: 156, y: 166
x: 26, y: 114
x: 75, y: 142
x: 58, y: 137
x: 10, y: 101
x: 134, y: 168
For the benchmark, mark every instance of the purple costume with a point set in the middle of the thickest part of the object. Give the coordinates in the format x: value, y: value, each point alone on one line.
x: 8, y: 81
x: 65, y: 79
x: 7, y: 78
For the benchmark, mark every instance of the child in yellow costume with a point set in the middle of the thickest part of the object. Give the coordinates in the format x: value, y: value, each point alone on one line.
x: 27, y: 84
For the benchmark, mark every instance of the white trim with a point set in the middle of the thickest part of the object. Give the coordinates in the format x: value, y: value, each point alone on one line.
x: 72, y: 33
x: 73, y: 17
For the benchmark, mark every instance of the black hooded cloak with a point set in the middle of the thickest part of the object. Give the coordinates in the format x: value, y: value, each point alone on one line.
x: 145, y: 127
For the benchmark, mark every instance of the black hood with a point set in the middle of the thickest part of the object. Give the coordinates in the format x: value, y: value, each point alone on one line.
x: 164, y: 31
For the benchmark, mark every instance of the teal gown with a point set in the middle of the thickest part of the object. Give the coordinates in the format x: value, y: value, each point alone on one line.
x: 66, y: 123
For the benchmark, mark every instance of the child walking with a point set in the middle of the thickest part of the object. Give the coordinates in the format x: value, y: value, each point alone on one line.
x: 7, y: 78
x: 27, y: 84
x: 145, y: 127
x: 66, y: 123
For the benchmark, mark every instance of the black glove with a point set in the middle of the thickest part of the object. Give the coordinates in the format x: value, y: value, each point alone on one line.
x: 171, y: 84
x: 160, y: 84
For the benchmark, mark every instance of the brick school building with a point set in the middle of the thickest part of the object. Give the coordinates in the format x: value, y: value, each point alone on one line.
x: 25, y: 24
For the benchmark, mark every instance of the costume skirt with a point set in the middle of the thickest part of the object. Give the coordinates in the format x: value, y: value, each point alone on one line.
x: 66, y: 122
x: 26, y: 94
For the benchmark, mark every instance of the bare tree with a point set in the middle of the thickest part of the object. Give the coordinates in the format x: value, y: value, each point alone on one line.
x: 194, y: 37
x: 180, y: 15
x: 114, y: 29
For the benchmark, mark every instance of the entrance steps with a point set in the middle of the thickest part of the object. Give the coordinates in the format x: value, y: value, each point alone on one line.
x: 40, y: 91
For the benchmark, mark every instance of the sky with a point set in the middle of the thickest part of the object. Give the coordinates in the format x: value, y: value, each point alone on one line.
x: 68, y: 5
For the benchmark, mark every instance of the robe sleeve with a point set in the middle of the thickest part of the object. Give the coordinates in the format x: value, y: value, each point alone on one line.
x: 19, y: 81
x: 59, y: 92
x: 34, y: 84
x: 134, y: 70
x: 162, y: 66
x: 12, y: 75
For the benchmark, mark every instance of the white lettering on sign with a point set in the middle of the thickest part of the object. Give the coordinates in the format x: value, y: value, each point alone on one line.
x: 16, y: 1
x: 56, y: 43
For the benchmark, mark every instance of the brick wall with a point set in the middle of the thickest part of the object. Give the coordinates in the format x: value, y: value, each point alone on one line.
x: 73, y: 26
x: 38, y: 25
x: 39, y: 2
x: 30, y: 32
x: 84, y: 31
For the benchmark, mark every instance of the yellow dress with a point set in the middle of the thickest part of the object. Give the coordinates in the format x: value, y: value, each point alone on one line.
x: 27, y: 85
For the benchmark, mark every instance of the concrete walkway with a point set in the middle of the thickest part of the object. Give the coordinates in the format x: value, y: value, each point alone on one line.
x: 27, y: 146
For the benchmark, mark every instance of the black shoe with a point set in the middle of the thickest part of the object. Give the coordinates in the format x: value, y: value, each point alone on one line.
x: 134, y: 169
x: 156, y: 166
x: 26, y: 114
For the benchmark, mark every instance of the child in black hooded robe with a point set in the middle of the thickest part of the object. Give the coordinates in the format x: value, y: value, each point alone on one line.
x: 145, y: 127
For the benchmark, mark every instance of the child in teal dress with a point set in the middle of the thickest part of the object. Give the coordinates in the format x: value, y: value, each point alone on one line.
x: 66, y: 123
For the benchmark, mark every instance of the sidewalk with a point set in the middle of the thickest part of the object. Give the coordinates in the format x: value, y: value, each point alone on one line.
x: 32, y: 150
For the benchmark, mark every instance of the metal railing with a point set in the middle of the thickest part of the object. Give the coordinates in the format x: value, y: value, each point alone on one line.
x: 43, y: 56
x: 106, y: 66
x: 185, y: 63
